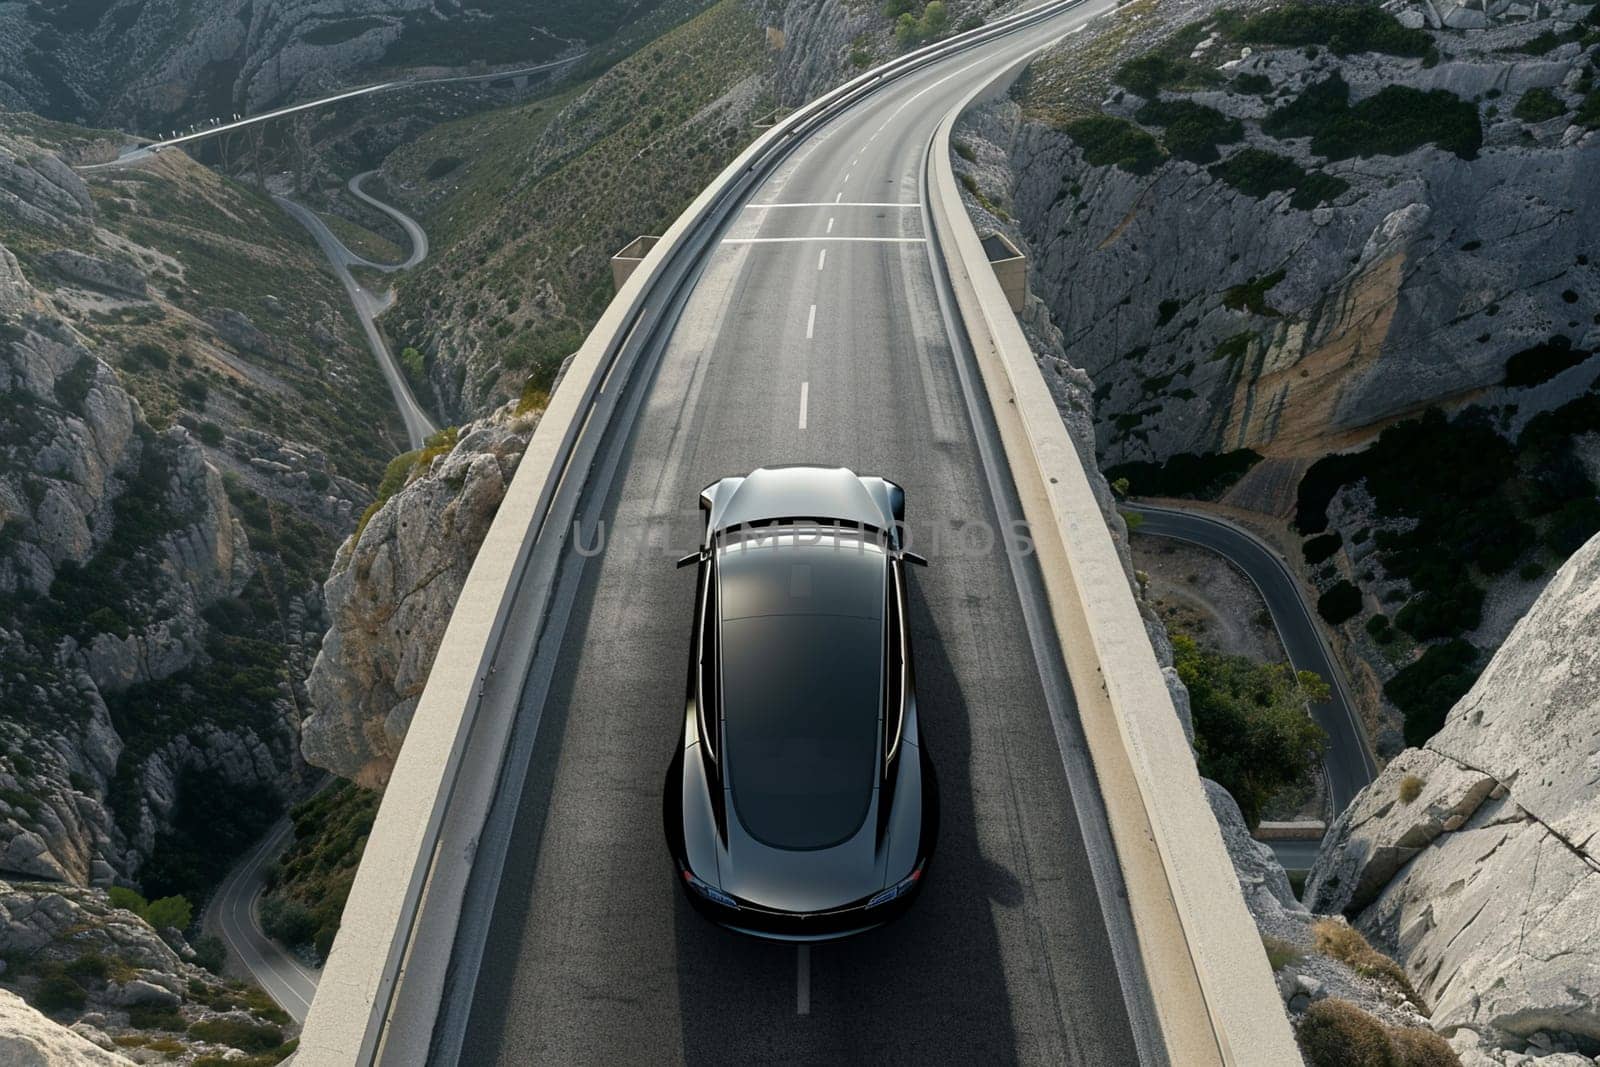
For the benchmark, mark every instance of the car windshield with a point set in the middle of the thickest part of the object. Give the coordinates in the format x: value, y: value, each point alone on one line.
x: 802, y: 670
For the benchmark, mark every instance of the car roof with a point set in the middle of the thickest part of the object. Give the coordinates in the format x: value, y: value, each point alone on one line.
x: 801, y: 651
x: 801, y: 571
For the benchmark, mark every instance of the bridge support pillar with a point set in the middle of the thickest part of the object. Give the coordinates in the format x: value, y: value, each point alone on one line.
x: 628, y: 259
x: 1010, y: 268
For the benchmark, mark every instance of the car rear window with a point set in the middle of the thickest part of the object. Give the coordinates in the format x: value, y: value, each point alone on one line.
x: 801, y: 694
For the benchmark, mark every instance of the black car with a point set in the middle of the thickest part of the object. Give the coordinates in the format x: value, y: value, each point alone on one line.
x: 801, y: 803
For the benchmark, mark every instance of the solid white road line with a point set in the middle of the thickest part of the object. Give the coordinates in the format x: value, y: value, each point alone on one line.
x: 820, y: 237
x: 811, y: 326
x: 822, y: 258
x: 805, y: 396
x: 802, y: 981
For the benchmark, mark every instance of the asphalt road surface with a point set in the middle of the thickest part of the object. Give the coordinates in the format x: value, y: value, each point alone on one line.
x: 235, y: 912
x: 1349, y: 764
x: 368, y: 305
x: 814, y: 335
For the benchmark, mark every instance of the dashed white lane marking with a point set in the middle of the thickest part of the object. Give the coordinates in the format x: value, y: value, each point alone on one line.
x: 830, y: 223
x: 811, y: 322
x: 822, y: 258
x: 854, y: 161
x: 838, y: 197
x: 820, y: 237
x: 802, y: 965
x: 805, y: 395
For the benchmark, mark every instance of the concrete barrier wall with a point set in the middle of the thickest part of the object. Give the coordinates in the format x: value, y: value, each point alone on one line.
x: 1210, y: 981
x: 380, y: 990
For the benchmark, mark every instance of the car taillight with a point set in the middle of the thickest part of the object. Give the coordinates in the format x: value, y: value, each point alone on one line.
x: 899, y: 889
x: 707, y: 890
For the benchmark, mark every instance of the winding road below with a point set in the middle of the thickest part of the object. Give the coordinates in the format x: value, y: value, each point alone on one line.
x: 1348, y: 761
x: 234, y: 914
x: 368, y: 304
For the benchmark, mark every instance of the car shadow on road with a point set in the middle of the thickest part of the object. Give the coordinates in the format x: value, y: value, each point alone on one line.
x: 928, y: 988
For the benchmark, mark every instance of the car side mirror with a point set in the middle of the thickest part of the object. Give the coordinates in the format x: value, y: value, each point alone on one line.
x: 691, y: 559
x: 912, y: 557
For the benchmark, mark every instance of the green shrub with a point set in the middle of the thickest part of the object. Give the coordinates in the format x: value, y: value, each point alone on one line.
x: 287, y: 921
x: 1538, y: 105
x: 1379, y: 628
x: 89, y: 965
x: 246, y: 1036
x: 1108, y: 141
x: 173, y: 911
x: 1321, y: 548
x: 1257, y: 172
x: 59, y: 993
x: 1191, y: 131
x: 149, y: 1017
x: 1588, y: 113
x: 1252, y: 84
x: 1252, y: 295
x: 1344, y: 28
x: 1394, y: 121
x: 1148, y: 74
x: 1340, y: 603
x: 1426, y: 690
x: 210, y: 953
x: 123, y: 897
x: 1541, y: 362
x: 1252, y: 733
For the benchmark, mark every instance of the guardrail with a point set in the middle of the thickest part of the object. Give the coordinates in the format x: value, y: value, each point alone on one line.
x: 380, y: 990
x: 1209, y: 978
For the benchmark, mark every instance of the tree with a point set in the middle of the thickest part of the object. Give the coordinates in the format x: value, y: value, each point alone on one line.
x: 169, y: 911
x: 1253, y: 734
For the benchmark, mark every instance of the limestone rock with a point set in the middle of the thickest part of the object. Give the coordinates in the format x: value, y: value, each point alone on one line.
x: 390, y: 596
x: 29, y: 1039
x: 120, y: 279
x: 1494, y: 920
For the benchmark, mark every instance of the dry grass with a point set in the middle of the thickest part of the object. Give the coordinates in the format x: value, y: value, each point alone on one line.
x: 1410, y: 788
x: 1341, y: 941
x: 1280, y: 953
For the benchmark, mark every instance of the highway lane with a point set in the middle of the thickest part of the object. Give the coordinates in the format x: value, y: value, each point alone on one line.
x: 1349, y: 763
x: 417, y: 235
x: 813, y: 335
x: 368, y: 305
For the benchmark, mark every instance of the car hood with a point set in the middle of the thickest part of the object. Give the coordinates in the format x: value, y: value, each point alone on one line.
x: 797, y: 492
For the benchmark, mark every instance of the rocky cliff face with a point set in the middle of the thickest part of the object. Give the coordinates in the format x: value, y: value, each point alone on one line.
x: 1382, y: 283
x: 391, y: 591
x: 116, y: 541
x: 1472, y: 858
x: 110, y: 987
x: 163, y: 526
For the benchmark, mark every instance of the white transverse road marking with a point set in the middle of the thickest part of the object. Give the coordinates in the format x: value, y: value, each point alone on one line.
x: 802, y: 981
x: 820, y: 237
x: 811, y: 324
x: 805, y: 395
x: 912, y: 206
x: 822, y: 258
